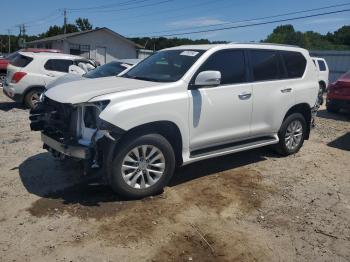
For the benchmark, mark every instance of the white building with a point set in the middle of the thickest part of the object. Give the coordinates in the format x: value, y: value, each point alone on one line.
x: 102, y: 45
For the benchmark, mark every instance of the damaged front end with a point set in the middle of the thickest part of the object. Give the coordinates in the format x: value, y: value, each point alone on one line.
x: 74, y: 131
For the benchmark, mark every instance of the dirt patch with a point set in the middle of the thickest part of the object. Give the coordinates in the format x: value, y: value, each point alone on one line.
x: 196, y: 245
x: 82, y: 201
x: 242, y: 189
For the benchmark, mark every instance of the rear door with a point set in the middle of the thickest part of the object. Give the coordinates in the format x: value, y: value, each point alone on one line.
x: 273, y: 92
x: 55, y: 68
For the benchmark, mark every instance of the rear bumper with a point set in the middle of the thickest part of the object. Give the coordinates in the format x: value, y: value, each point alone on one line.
x: 339, y: 102
x: 10, y: 94
x: 75, y: 151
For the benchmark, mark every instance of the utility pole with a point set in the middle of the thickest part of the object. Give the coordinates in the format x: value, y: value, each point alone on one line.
x: 65, y: 21
x: 9, y: 46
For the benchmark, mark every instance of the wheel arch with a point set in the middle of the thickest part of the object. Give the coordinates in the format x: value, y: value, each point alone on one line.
x: 305, y: 110
x: 167, y: 129
x: 30, y: 88
x: 323, y: 85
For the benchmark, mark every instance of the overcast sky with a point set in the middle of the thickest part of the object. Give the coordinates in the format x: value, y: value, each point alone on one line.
x: 159, y: 17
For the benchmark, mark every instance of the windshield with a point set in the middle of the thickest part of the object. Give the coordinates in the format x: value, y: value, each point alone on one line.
x: 110, y: 69
x: 165, y: 66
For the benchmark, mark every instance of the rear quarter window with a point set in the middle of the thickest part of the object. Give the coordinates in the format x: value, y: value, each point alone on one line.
x: 21, y: 60
x: 295, y: 64
x: 322, y: 65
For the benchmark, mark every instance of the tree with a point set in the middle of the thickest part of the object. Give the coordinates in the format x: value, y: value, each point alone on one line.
x: 286, y: 34
x: 342, y: 36
x: 83, y: 24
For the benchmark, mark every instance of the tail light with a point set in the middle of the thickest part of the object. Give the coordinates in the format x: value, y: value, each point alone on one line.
x: 17, y: 77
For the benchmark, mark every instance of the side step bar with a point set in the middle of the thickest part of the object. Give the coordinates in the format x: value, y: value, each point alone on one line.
x: 232, y: 148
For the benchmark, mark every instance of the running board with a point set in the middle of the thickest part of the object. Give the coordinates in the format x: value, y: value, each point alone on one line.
x: 233, y: 148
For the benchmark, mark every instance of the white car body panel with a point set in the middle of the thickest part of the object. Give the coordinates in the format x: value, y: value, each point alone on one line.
x: 323, y: 75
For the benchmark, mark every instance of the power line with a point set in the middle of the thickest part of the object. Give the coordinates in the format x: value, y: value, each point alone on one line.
x: 130, y: 2
x: 254, y: 19
x: 254, y: 24
x: 130, y: 8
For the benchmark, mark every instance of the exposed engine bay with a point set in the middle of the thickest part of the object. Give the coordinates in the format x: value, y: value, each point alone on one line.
x: 74, y: 131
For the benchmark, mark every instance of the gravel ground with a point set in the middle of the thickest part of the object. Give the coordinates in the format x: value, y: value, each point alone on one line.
x: 251, y: 206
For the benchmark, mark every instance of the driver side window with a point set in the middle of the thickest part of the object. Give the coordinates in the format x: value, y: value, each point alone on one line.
x: 231, y: 65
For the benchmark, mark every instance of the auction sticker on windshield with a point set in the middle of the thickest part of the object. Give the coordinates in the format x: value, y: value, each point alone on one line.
x: 189, y: 53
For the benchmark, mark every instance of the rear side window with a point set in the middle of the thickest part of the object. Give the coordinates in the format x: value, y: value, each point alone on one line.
x: 295, y: 64
x: 21, y: 60
x: 322, y: 65
x: 265, y: 65
x: 230, y: 63
x: 59, y: 65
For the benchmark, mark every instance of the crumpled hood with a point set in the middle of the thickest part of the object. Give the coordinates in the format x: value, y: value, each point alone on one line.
x: 84, y: 90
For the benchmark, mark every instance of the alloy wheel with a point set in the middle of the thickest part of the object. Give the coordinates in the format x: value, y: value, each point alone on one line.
x: 143, y: 166
x: 294, y: 134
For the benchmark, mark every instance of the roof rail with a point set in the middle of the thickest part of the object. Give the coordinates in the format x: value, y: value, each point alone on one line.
x: 261, y: 43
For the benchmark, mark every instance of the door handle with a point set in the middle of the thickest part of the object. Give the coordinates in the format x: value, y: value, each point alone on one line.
x: 245, y: 96
x: 286, y: 90
x: 51, y: 75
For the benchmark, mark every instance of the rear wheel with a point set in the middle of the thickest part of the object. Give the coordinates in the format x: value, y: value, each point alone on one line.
x: 142, y: 166
x: 32, y: 98
x: 292, y: 134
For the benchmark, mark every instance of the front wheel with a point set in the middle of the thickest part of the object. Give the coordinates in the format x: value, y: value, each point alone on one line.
x: 142, y: 166
x: 292, y: 134
x: 32, y: 98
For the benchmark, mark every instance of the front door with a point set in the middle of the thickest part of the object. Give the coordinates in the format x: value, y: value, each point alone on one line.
x: 221, y: 114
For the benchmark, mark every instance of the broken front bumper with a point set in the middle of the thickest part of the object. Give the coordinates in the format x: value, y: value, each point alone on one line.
x: 76, y: 151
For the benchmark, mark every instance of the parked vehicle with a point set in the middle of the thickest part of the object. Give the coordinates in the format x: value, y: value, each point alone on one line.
x: 6, y: 60
x: 323, y: 72
x: 338, y: 95
x: 28, y: 73
x: 179, y: 106
x: 110, y: 69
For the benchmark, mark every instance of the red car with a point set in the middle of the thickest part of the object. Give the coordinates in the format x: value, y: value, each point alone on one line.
x: 338, y: 95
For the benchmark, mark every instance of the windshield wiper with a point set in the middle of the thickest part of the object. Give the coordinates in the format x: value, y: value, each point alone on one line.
x: 141, y: 78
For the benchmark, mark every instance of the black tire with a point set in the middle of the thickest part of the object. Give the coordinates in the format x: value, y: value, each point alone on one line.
x: 29, y: 100
x: 116, y: 180
x: 282, y: 147
x: 332, y: 108
x: 2, y: 78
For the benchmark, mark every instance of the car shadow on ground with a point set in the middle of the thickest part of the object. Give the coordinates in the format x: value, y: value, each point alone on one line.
x: 341, y: 116
x: 7, y: 106
x: 46, y: 177
x: 342, y: 142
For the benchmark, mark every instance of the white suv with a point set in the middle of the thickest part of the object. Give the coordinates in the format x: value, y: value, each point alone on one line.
x: 29, y: 73
x: 178, y: 106
x: 323, y: 72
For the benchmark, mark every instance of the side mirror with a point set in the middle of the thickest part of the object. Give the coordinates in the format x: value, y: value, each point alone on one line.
x: 208, y: 78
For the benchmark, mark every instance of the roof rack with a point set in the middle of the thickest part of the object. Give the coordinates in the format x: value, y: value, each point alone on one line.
x: 261, y: 43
